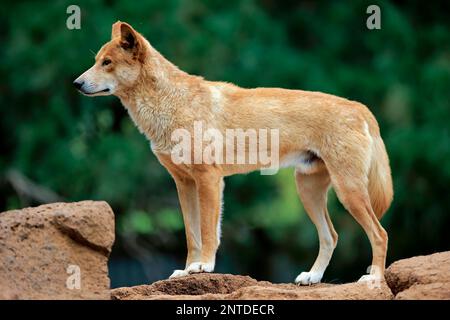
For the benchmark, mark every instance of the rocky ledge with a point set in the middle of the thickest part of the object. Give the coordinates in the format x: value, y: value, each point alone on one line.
x: 61, y: 250
x: 423, y: 277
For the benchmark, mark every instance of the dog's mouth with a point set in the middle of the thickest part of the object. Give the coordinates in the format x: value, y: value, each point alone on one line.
x: 97, y: 92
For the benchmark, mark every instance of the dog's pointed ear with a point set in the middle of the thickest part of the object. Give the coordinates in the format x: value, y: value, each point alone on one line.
x: 132, y: 41
x: 115, y: 32
x: 128, y: 37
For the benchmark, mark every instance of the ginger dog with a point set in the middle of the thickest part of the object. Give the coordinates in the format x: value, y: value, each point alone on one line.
x: 330, y: 141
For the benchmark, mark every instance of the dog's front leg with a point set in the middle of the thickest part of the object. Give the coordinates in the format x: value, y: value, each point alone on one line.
x: 188, y: 196
x: 209, y: 189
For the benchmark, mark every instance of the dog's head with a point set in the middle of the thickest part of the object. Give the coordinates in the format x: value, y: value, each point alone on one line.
x: 117, y: 65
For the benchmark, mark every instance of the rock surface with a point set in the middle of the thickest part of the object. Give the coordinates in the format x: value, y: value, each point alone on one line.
x: 234, y: 287
x: 44, y: 249
x: 422, y: 277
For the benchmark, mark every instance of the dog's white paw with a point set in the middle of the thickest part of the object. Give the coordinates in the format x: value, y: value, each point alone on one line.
x: 198, y: 267
x: 307, y: 278
x: 370, y: 278
x: 179, y: 273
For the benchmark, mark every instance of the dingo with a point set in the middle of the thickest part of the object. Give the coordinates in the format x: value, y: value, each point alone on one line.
x: 329, y: 140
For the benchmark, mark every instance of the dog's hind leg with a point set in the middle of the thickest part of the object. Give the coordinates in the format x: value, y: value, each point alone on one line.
x: 351, y: 188
x: 312, y: 189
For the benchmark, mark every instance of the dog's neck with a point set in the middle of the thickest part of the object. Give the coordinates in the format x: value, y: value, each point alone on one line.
x: 153, y: 100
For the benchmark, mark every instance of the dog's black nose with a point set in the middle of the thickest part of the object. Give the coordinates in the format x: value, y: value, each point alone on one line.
x: 78, y: 84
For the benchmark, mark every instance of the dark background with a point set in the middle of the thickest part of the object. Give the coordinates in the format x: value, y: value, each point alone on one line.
x: 59, y: 145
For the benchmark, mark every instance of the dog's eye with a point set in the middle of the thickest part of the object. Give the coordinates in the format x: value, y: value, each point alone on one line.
x: 106, y: 62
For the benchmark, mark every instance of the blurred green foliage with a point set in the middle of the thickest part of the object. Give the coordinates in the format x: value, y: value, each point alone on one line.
x: 84, y: 148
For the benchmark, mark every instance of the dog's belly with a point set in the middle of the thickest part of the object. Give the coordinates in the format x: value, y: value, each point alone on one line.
x: 231, y: 169
x: 306, y: 162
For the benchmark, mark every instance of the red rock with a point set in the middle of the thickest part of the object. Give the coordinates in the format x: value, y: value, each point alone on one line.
x: 39, y: 246
x: 422, y: 277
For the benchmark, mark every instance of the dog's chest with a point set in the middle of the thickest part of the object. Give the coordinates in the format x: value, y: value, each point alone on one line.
x: 150, y: 121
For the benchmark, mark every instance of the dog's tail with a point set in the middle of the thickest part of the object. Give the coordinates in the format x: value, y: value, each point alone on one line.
x: 380, y: 180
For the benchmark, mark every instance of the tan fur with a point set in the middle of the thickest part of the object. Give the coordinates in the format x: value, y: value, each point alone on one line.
x: 380, y: 182
x: 342, y: 133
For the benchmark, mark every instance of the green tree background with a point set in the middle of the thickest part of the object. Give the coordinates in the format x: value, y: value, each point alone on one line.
x: 56, y: 144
